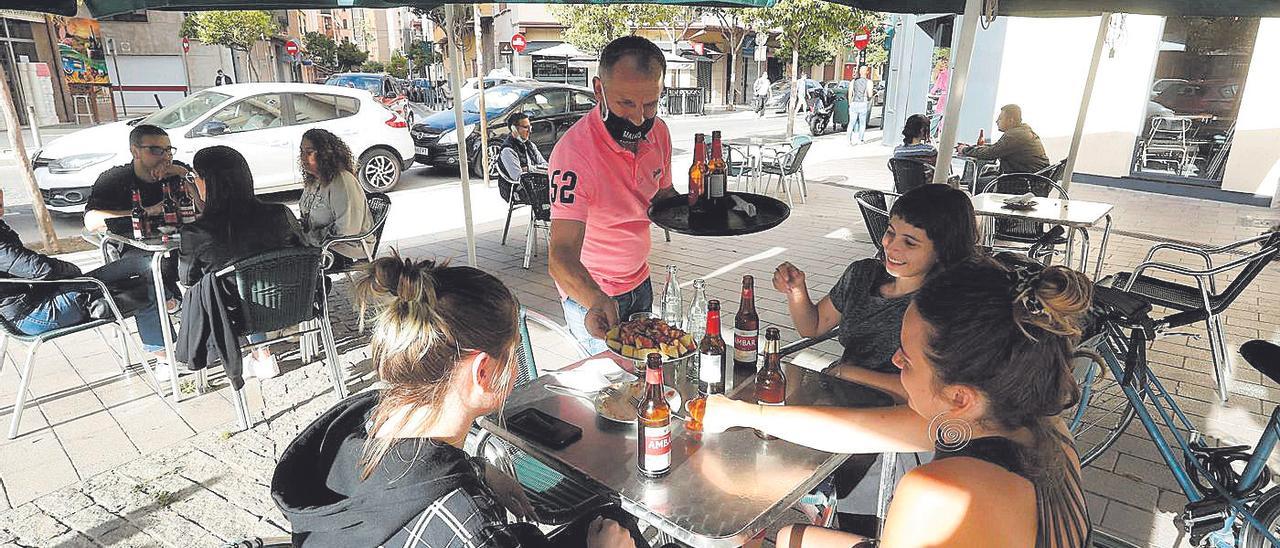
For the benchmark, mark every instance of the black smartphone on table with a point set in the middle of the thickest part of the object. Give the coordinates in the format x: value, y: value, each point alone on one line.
x: 535, y: 425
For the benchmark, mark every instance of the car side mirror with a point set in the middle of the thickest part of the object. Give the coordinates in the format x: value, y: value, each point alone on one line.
x: 212, y: 128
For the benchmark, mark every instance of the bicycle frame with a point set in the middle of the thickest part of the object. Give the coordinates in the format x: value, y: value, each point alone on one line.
x: 1137, y: 381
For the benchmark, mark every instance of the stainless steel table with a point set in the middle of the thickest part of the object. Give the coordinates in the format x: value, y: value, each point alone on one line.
x: 754, y: 161
x: 159, y: 247
x: 723, y: 489
x: 1077, y: 215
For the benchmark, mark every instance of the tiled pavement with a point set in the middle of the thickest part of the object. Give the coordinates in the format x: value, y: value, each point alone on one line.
x: 103, y: 461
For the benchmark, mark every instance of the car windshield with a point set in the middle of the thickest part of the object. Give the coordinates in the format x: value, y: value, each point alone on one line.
x: 371, y: 84
x: 185, y: 111
x: 496, y: 100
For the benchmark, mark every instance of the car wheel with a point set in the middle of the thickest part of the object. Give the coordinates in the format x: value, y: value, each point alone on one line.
x: 379, y: 170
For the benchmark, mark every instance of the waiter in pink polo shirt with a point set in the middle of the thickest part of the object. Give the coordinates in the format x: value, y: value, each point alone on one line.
x: 604, y: 173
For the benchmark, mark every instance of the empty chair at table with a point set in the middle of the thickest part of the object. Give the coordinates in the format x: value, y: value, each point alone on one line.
x: 386, y: 467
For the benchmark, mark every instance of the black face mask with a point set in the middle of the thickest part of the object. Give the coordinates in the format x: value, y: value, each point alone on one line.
x: 621, y: 129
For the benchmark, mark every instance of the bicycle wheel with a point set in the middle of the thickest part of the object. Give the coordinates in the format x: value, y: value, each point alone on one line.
x: 1267, y: 510
x: 1103, y: 413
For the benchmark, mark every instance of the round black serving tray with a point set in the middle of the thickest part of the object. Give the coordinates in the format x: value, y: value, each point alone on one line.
x: 673, y: 214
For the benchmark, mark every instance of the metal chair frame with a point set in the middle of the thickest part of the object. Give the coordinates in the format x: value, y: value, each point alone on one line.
x: 902, y: 168
x: 379, y: 214
x: 879, y: 209
x: 1214, y: 303
x: 318, y: 324
x: 33, y: 342
x: 1040, y: 228
x: 788, y: 167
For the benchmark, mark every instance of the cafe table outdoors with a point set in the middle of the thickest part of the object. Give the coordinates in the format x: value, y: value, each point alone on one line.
x: 1078, y: 216
x: 722, y: 489
x: 753, y: 150
x: 159, y: 247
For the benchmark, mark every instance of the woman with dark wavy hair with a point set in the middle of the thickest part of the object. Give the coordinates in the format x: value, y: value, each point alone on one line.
x: 333, y: 203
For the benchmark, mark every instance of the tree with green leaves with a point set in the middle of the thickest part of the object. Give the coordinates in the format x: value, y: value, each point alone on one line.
x: 321, y: 50
x: 238, y: 30
x: 372, y: 66
x: 350, y: 55
x: 592, y: 26
x: 398, y: 65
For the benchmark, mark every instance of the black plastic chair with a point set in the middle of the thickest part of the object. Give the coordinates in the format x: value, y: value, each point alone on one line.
x: 280, y: 289
x: 33, y: 342
x: 1054, y: 172
x: 1017, y: 230
x: 909, y: 174
x: 556, y: 498
x: 1203, y: 301
x: 875, y: 213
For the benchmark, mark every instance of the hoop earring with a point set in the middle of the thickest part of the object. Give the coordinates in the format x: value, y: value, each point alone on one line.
x: 950, y: 434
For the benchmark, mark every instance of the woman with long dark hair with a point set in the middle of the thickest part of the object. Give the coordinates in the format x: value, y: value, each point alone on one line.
x: 915, y: 141
x: 986, y: 365
x: 333, y: 203
x: 930, y: 228
x: 233, y: 225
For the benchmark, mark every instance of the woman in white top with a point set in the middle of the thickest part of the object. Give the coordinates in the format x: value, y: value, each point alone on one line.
x: 333, y: 203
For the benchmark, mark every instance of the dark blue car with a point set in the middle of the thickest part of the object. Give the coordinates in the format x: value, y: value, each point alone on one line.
x: 552, y: 109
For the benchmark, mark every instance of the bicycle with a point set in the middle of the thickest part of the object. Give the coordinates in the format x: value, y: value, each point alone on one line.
x: 1227, y: 506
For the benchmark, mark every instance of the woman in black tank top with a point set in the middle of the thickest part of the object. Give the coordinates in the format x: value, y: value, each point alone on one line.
x: 985, y: 362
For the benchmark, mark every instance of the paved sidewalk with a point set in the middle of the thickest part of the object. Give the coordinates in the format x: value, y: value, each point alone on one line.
x: 102, y: 460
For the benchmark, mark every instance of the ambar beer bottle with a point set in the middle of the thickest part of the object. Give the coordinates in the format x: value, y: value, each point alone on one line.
x: 169, y: 206
x: 697, y: 171
x: 771, y: 383
x: 653, y: 423
x: 746, y: 328
x: 711, y: 352
x: 139, y: 215
x: 186, y: 205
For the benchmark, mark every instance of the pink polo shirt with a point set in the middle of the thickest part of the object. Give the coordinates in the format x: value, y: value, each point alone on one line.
x: 598, y: 182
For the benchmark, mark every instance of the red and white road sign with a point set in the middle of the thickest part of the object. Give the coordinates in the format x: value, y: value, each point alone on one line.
x: 291, y: 47
x: 518, y: 42
x: 862, y: 38
x: 186, y: 45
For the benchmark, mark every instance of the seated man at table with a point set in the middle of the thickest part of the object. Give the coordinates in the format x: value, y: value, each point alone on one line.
x: 38, y: 308
x: 150, y: 170
x: 386, y: 467
x: 1019, y: 149
x: 520, y: 157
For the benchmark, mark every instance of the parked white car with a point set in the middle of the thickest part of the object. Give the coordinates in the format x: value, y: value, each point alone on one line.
x: 263, y: 121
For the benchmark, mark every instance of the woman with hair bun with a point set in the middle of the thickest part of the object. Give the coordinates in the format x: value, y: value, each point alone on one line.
x: 985, y: 359
x: 386, y: 467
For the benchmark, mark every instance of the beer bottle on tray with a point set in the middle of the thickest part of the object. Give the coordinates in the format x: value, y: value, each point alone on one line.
x: 653, y: 423
x: 746, y: 328
x: 697, y: 170
x: 771, y: 383
x: 139, y: 215
x: 717, y: 173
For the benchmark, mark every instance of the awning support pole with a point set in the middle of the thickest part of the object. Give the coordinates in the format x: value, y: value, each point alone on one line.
x: 1099, y: 44
x: 955, y: 92
x: 455, y: 83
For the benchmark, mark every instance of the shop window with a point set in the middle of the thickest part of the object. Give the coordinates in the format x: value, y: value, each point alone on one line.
x: 1194, y: 99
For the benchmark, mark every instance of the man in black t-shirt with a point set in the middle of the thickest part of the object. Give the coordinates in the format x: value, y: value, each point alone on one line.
x: 112, y: 193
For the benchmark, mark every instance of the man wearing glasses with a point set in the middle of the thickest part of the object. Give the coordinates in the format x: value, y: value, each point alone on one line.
x: 112, y: 193
x: 520, y: 157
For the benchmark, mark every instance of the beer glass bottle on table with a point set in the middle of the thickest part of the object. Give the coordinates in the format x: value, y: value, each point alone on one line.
x: 141, y: 223
x: 711, y: 362
x: 653, y: 423
x: 672, y: 300
x: 186, y: 205
x: 746, y: 329
x: 169, y: 206
x: 695, y: 323
x: 771, y: 382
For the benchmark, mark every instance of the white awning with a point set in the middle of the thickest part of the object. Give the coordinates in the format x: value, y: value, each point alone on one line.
x: 564, y: 51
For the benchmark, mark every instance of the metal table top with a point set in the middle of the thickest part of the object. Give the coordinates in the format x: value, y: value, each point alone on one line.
x: 1074, y: 213
x: 156, y: 244
x: 722, y: 488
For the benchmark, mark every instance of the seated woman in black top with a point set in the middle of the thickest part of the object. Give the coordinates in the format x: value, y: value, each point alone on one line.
x: 986, y: 363
x: 930, y: 228
x: 234, y: 225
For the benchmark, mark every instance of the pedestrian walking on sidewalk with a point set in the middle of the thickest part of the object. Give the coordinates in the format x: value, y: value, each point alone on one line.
x: 222, y: 79
x: 761, y: 90
x: 860, y: 95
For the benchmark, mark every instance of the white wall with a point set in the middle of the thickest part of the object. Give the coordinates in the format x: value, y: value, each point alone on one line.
x: 1253, y: 165
x: 143, y: 72
x: 1118, y: 108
